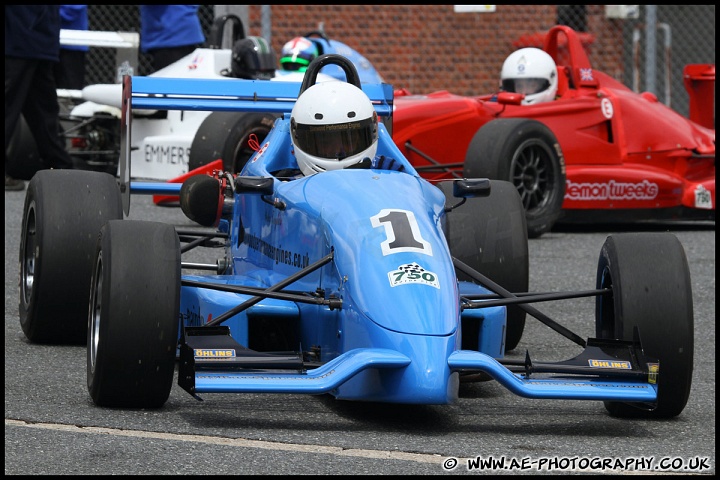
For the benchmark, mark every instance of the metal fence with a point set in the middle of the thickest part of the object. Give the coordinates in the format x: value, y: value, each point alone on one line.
x: 101, y: 62
x: 643, y: 46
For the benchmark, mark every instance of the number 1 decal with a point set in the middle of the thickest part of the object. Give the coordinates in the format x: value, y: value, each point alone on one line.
x: 402, y: 231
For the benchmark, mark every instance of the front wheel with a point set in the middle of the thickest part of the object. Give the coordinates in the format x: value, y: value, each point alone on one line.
x: 227, y: 135
x: 525, y: 153
x: 656, y: 297
x: 134, y: 315
x: 489, y: 235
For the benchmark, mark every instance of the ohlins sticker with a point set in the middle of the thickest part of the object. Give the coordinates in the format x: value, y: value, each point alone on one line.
x: 611, y: 190
x: 616, y: 364
x: 214, y: 353
x: 412, y: 273
x: 653, y: 371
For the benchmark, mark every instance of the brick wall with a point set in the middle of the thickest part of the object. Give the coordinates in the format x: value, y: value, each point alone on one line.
x: 430, y: 47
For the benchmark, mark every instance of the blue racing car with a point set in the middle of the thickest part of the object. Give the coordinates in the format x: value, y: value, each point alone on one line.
x: 367, y: 283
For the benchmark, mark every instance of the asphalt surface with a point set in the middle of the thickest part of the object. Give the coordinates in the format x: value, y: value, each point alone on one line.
x: 52, y: 426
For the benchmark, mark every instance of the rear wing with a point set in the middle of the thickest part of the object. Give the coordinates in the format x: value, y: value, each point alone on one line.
x: 155, y: 93
x: 699, y: 79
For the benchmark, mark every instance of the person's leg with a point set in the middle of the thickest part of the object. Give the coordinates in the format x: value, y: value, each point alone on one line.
x: 41, y: 114
x: 18, y: 72
x: 18, y: 75
x: 70, y: 71
x: 162, y: 57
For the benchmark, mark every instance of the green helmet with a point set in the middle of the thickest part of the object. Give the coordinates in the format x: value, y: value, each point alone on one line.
x: 297, y: 54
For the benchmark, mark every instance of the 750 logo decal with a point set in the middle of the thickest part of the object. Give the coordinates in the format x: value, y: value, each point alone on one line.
x: 412, y: 273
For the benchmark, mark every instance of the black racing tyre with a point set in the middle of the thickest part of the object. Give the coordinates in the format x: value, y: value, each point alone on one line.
x: 134, y: 315
x: 226, y: 135
x: 489, y: 235
x: 22, y: 157
x: 526, y: 153
x: 650, y: 280
x: 62, y: 216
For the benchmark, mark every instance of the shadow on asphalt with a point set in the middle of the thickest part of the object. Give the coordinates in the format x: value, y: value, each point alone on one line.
x: 688, y: 226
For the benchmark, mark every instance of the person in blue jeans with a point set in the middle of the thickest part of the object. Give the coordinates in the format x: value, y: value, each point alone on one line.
x: 32, y: 49
x: 169, y: 32
x: 70, y: 71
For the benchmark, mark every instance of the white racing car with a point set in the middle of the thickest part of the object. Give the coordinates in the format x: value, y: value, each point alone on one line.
x: 168, y: 144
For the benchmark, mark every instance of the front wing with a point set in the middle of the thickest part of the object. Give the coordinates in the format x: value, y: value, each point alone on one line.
x: 212, y: 362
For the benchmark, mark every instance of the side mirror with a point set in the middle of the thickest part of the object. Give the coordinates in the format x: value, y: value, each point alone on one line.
x: 259, y: 185
x: 471, y: 187
x: 510, y: 98
x: 201, y: 199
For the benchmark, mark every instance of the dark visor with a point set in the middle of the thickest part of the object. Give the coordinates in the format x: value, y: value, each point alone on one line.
x: 335, y: 141
x: 528, y: 86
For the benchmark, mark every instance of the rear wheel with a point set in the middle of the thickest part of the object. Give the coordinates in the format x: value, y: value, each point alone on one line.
x: 489, y: 235
x: 656, y: 297
x: 525, y: 153
x: 227, y: 135
x: 64, y: 211
x: 134, y: 315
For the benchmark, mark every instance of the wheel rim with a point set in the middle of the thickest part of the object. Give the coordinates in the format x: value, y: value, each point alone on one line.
x: 95, y: 312
x: 532, y: 174
x: 27, y: 267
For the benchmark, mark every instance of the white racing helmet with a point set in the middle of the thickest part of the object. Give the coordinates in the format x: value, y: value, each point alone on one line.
x: 530, y: 71
x: 333, y: 125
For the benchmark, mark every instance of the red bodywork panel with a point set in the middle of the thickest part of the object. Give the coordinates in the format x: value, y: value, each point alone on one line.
x: 622, y: 150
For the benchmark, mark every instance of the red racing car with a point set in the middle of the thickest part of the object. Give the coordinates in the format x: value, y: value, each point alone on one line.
x: 599, y: 152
